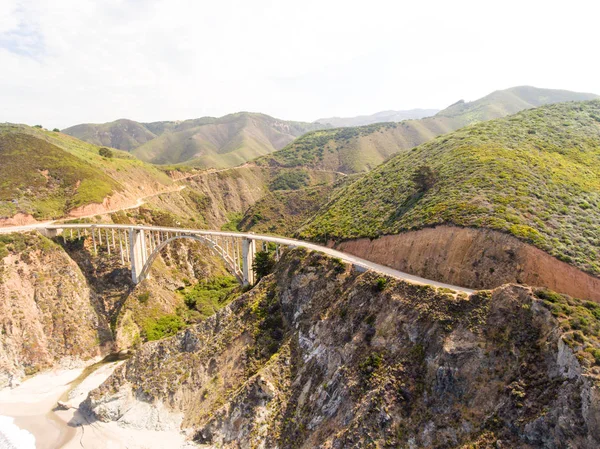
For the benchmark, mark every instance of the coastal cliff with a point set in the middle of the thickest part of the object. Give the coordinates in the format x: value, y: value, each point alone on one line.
x: 320, y: 355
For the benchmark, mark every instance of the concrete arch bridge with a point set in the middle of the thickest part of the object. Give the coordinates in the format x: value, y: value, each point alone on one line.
x: 138, y: 247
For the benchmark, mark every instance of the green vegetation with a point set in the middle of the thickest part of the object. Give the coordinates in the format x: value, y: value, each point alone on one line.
x: 47, y: 173
x: 233, y: 221
x: 269, y: 328
x: 290, y: 180
x: 263, y: 264
x: 205, y: 142
x: 284, y: 211
x: 424, y: 178
x: 535, y: 175
x: 165, y: 326
x: 315, y: 148
x: 580, y: 320
x: 381, y: 283
x: 39, y: 178
x: 359, y: 149
x: 211, y: 295
x: 370, y: 364
x: 105, y: 152
x: 122, y: 134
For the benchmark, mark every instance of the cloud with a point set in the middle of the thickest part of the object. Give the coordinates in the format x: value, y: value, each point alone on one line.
x: 73, y: 61
x: 20, y: 35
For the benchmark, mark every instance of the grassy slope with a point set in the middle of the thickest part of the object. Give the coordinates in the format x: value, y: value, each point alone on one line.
x: 69, y: 182
x: 122, y: 134
x: 205, y: 142
x: 282, y: 212
x: 358, y: 149
x: 25, y: 151
x: 535, y: 175
x: 228, y: 141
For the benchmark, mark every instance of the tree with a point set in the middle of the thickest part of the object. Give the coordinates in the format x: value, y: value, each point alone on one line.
x: 105, y: 152
x: 424, y: 178
x: 263, y: 264
x: 56, y: 130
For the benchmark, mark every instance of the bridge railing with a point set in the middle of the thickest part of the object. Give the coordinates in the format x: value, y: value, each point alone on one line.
x: 239, y: 252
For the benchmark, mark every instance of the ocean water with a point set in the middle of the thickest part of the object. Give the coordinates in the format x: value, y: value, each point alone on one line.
x: 11, y: 437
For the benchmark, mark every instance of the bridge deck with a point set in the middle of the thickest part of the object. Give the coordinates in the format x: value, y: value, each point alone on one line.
x: 365, y: 264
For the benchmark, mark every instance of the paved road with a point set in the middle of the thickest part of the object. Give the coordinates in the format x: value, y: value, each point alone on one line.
x: 283, y: 241
x: 367, y: 265
x: 45, y: 224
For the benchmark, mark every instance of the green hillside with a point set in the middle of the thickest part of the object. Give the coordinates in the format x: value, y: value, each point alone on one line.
x: 205, y: 142
x: 46, y: 174
x: 122, y: 134
x: 283, y: 211
x: 45, y: 180
x: 535, y: 175
x: 359, y: 149
x: 226, y: 142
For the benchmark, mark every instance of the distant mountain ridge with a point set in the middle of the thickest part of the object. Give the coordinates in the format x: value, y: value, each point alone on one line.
x: 378, y: 117
x: 205, y: 142
x: 362, y: 148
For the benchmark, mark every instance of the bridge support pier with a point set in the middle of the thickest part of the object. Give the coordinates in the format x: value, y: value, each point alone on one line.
x: 248, y: 251
x: 137, y: 248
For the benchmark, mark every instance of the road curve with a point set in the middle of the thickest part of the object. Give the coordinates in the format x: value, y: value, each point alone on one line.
x: 357, y: 261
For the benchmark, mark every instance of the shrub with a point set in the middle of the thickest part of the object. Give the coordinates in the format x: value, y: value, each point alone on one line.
x: 3, y: 251
x: 165, y: 326
x: 290, y: 180
x: 263, y: 264
x: 369, y: 365
x: 424, y: 178
x: 209, y: 296
x: 381, y: 284
x: 549, y: 295
x: 105, y: 152
x: 56, y: 130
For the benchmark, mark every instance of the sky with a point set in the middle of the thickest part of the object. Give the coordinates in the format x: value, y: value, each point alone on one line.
x: 65, y: 62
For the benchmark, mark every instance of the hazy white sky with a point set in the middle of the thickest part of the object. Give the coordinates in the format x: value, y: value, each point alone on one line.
x: 64, y: 62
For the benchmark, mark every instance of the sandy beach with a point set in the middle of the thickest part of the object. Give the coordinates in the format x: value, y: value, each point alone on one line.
x: 32, y: 406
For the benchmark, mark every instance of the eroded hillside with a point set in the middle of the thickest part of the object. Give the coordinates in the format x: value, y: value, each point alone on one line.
x: 318, y: 355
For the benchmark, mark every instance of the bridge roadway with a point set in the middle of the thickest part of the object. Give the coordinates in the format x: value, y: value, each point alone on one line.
x: 186, y: 233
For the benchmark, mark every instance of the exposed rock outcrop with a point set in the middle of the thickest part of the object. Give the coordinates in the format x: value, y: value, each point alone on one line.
x: 48, y: 315
x: 318, y: 355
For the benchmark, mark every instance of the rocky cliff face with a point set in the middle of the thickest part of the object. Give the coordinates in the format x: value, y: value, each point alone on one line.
x: 318, y: 355
x: 48, y: 314
x: 62, y: 305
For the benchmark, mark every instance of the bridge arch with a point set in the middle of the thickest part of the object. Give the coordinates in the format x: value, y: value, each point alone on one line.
x: 230, y: 262
x: 139, y: 246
